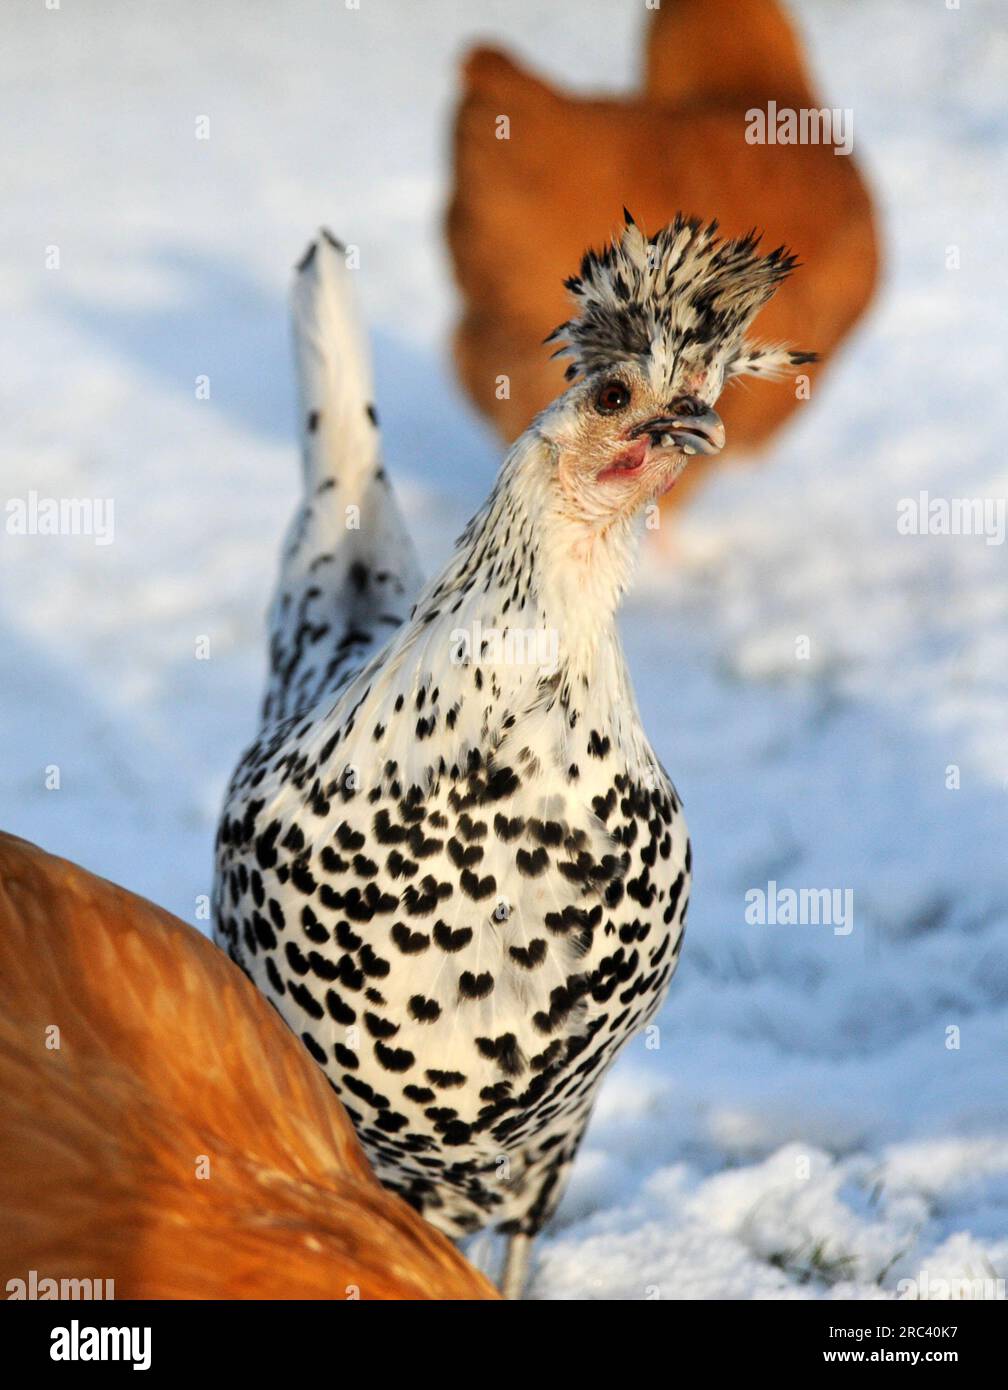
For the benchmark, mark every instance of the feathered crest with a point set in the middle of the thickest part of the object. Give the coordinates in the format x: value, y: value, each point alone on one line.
x: 682, y: 297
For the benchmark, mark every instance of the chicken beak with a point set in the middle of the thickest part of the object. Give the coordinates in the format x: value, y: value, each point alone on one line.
x: 701, y: 432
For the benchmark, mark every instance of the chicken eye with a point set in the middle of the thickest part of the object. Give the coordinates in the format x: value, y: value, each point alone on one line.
x: 612, y: 396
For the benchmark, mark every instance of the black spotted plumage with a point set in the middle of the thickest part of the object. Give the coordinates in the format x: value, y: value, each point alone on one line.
x: 682, y: 296
x: 451, y: 858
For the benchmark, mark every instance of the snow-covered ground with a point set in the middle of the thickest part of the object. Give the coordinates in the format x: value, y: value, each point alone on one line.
x: 805, y: 1127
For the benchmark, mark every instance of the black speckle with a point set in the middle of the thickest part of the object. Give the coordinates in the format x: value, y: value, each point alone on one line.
x: 504, y: 1051
x: 598, y: 746
x: 532, y: 865
x: 394, y: 1058
x: 475, y: 986
x: 301, y: 995
x: 380, y: 1027
x: 449, y: 940
x: 446, y: 1080
x: 529, y: 956
x: 338, y: 1009
x: 475, y: 887
x: 424, y: 1010
x: 409, y: 942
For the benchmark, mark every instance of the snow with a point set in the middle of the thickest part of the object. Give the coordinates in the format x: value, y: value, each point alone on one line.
x: 802, y: 1124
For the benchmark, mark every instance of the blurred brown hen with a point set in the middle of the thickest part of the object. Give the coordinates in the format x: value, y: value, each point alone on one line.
x: 169, y: 1066
x: 525, y: 206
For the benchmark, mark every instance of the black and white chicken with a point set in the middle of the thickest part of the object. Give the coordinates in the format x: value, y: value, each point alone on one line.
x: 452, y: 859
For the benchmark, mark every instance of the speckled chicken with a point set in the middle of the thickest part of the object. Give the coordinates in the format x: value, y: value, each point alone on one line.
x: 452, y: 859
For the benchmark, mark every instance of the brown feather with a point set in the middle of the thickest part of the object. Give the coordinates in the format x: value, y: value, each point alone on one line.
x: 524, y: 208
x: 168, y: 1057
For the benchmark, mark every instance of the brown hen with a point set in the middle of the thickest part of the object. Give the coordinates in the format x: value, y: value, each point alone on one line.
x: 162, y: 1128
x: 524, y: 206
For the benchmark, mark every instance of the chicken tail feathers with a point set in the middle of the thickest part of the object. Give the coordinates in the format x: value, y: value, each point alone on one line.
x: 349, y: 572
